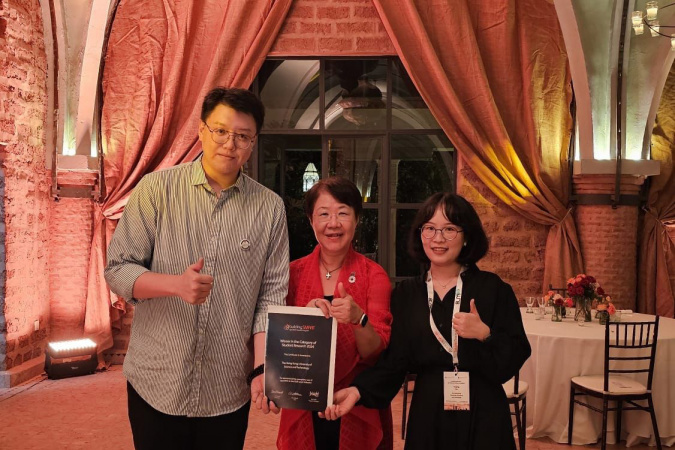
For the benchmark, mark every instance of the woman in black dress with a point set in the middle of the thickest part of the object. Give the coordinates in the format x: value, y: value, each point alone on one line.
x: 448, y: 238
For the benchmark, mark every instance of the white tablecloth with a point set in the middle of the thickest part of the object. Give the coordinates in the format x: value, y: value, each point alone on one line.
x: 562, y: 350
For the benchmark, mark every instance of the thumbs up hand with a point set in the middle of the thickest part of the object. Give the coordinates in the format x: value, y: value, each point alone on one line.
x: 194, y: 287
x: 344, y: 308
x: 469, y: 325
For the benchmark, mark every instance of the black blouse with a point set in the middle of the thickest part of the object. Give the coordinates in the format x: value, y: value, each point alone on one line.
x: 413, y: 348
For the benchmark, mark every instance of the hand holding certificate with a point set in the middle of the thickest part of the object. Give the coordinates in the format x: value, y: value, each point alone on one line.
x: 299, y: 358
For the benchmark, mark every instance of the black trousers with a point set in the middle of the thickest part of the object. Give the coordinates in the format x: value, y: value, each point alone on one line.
x: 154, y: 430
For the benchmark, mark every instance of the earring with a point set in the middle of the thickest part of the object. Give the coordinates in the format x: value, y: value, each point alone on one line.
x: 464, y: 243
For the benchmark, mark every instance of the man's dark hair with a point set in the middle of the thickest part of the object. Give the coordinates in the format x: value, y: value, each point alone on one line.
x: 240, y: 100
x: 343, y: 190
x: 459, y: 212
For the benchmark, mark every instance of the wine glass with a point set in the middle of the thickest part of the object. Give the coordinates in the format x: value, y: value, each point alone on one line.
x: 542, y: 302
x: 581, y: 320
x: 529, y: 301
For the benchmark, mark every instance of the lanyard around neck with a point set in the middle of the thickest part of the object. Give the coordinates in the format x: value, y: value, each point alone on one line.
x: 452, y: 349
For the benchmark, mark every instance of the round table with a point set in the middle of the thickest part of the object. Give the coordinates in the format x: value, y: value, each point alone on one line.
x: 562, y: 350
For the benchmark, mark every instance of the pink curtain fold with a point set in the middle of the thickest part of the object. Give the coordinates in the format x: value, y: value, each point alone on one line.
x: 495, y: 75
x: 656, y: 260
x: 163, y: 57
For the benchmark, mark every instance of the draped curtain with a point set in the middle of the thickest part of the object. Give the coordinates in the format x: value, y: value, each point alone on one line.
x: 496, y: 77
x: 656, y: 273
x: 163, y: 57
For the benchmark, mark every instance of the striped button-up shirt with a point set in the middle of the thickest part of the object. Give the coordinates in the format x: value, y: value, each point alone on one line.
x: 193, y: 360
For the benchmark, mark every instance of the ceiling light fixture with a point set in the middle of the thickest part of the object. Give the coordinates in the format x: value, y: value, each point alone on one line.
x: 639, y: 20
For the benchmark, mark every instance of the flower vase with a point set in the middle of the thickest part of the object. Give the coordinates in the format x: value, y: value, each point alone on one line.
x: 583, y: 306
x: 603, y: 317
x: 557, y: 313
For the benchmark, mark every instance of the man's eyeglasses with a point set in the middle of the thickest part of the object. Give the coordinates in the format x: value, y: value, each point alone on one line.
x: 448, y: 233
x: 220, y: 136
x: 342, y: 216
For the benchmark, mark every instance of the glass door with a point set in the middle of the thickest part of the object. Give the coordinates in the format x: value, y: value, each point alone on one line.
x: 358, y: 158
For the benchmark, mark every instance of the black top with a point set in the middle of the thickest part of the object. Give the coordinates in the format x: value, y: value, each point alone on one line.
x: 413, y: 348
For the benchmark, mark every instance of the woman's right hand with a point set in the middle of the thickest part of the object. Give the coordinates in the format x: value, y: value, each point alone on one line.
x: 322, y: 304
x: 343, y: 402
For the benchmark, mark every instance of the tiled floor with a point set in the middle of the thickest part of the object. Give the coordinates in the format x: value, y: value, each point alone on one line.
x: 89, y: 412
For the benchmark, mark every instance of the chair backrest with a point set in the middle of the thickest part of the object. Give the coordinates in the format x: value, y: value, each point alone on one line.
x: 561, y: 291
x: 623, y: 341
x: 516, y: 380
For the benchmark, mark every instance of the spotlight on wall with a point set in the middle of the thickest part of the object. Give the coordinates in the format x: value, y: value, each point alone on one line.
x: 70, y: 358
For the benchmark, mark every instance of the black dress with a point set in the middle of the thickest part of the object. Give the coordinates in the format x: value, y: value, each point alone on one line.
x: 413, y: 348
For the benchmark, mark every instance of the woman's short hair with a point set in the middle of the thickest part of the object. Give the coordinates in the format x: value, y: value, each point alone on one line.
x: 340, y: 188
x: 459, y: 212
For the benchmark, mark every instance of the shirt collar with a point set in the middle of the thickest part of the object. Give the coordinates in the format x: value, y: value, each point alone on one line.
x: 198, y: 177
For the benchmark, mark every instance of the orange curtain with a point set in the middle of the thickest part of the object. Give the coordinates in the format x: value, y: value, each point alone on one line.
x: 656, y: 273
x: 496, y: 77
x: 163, y: 57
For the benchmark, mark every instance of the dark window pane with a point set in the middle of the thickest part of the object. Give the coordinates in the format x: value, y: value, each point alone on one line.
x: 356, y: 97
x: 290, y: 92
x: 356, y: 93
x: 357, y: 159
x: 421, y: 165
x: 409, y: 111
x: 284, y: 162
x: 365, y: 239
x: 399, y: 227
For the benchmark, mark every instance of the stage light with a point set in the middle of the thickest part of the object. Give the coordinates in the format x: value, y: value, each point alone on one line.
x: 70, y: 358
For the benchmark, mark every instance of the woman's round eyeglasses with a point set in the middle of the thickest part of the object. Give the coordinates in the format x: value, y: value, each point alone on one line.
x: 221, y: 136
x: 448, y: 233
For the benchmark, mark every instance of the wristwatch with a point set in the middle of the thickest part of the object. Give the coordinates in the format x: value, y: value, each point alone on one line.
x: 363, y: 320
x: 254, y: 373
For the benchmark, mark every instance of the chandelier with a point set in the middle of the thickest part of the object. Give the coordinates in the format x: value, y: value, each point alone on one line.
x: 639, y: 20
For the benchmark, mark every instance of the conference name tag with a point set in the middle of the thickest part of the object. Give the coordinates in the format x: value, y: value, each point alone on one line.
x: 456, y: 391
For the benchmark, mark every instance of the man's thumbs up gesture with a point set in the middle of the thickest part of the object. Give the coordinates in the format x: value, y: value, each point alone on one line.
x: 194, y: 287
x: 469, y: 325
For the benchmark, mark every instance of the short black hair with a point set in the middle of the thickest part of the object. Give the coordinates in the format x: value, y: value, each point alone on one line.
x: 343, y: 190
x: 459, y: 212
x: 240, y: 100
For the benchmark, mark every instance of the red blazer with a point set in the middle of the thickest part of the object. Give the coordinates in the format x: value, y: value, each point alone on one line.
x: 362, y: 428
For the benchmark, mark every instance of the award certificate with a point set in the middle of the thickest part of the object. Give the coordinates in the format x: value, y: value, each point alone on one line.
x: 299, y: 358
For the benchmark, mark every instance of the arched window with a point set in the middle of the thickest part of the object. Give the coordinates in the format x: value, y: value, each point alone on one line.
x: 362, y: 119
x: 310, y: 177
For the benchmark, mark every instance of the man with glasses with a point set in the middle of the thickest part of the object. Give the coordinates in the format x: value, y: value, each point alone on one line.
x: 201, y: 251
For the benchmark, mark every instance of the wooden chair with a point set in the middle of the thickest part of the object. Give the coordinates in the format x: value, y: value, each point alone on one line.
x: 410, y: 377
x: 516, y: 395
x: 622, y: 343
x: 561, y: 291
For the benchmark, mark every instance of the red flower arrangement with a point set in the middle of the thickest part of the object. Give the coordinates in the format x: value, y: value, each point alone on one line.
x: 584, y: 289
x: 584, y: 286
x: 605, y: 309
x: 559, y: 304
x: 554, y: 299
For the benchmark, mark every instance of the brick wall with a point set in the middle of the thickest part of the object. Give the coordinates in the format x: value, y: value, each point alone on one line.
x: 517, y: 245
x: 608, y: 237
x: 609, y: 248
x: 338, y: 27
x: 70, y: 230
x: 23, y: 101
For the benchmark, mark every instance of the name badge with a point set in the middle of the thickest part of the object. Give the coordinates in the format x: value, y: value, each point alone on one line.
x: 456, y: 391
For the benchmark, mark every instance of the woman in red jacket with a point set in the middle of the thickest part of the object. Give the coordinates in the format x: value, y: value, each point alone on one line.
x: 355, y: 291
